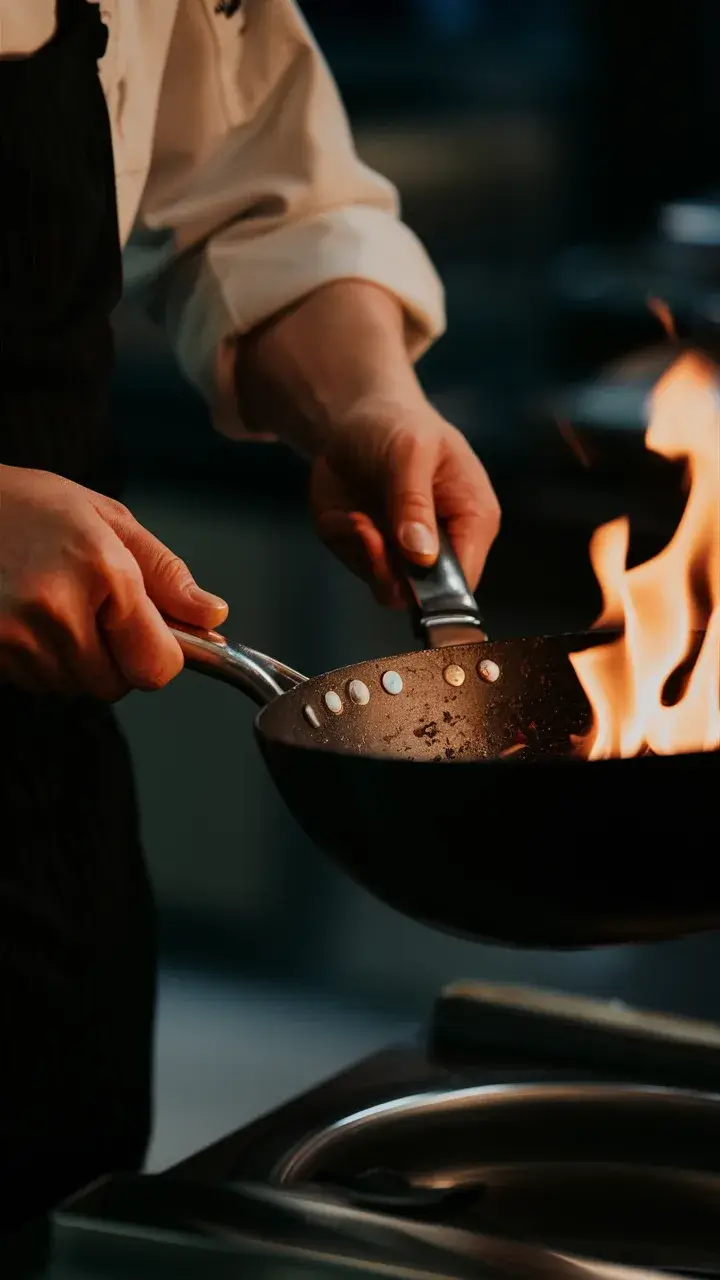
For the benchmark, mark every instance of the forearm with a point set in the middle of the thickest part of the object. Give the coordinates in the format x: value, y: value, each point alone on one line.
x: 336, y: 357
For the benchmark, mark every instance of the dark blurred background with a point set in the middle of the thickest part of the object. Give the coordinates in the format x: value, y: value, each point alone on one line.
x: 559, y: 160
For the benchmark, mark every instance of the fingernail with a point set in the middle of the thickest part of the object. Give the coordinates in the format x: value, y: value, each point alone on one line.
x: 418, y: 539
x: 205, y: 597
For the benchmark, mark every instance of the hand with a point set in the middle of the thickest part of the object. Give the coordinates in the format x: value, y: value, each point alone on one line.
x: 402, y: 471
x: 82, y: 588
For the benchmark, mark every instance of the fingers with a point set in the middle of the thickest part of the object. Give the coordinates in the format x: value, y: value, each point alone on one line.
x: 472, y: 539
x: 350, y: 534
x: 441, y: 478
x: 167, y: 580
x: 53, y: 644
x: 87, y: 662
x: 82, y: 593
x: 144, y: 650
x: 419, y: 476
x: 411, y: 497
x: 141, y: 645
x: 94, y: 631
x: 472, y: 515
x: 355, y: 540
x: 446, y: 474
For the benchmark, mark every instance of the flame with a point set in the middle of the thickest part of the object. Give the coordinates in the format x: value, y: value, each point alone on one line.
x: 662, y: 605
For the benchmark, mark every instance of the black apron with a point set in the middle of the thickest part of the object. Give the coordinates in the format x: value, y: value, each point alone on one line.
x: 77, y: 967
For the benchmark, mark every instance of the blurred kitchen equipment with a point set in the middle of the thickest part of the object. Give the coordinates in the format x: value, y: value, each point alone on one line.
x: 411, y: 1163
x: 431, y: 1153
x: 306, y: 1226
x: 580, y: 854
x: 557, y: 1027
x: 621, y: 1173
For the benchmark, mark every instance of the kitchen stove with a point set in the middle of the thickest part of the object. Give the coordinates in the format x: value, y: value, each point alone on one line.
x: 571, y: 1127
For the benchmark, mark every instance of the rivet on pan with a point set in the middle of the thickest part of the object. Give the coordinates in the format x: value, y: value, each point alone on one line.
x: 488, y: 670
x: 454, y: 675
x: 333, y: 702
x: 392, y: 682
x: 311, y: 716
x: 359, y: 693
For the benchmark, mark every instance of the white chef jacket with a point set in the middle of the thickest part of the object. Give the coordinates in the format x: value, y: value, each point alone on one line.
x: 239, y: 188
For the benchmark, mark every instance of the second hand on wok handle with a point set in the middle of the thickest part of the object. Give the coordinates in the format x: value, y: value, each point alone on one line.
x: 442, y: 606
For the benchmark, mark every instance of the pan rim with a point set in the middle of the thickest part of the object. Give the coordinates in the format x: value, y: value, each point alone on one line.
x: 349, y: 671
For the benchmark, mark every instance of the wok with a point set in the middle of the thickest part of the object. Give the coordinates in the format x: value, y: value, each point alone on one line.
x: 395, y: 768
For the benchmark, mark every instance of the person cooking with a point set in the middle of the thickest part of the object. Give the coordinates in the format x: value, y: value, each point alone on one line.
x: 209, y: 139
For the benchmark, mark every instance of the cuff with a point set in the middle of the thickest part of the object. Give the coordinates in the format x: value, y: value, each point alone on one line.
x: 244, y: 281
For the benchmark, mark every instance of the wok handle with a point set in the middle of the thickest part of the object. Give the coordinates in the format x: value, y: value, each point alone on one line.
x: 442, y: 606
x: 260, y: 677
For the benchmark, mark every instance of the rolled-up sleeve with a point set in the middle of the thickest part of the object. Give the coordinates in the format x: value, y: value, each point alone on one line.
x: 256, y: 196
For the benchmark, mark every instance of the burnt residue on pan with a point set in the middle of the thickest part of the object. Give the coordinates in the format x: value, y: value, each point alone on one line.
x: 428, y: 731
x: 529, y: 710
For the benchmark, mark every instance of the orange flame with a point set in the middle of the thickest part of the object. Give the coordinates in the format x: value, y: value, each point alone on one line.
x: 662, y: 604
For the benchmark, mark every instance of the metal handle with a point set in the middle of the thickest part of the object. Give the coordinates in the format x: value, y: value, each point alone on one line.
x: 442, y: 606
x: 259, y: 676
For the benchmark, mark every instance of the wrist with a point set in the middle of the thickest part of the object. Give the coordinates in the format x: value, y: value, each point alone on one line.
x: 336, y: 362
x: 378, y: 409
x: 317, y: 415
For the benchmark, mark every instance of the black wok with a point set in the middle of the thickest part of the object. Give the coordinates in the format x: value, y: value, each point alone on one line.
x: 457, y: 799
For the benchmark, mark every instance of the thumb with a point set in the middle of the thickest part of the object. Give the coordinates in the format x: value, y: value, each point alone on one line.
x: 168, y: 581
x: 411, y: 500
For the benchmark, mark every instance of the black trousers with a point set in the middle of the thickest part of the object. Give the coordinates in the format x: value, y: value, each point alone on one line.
x: 77, y: 951
x: 77, y: 969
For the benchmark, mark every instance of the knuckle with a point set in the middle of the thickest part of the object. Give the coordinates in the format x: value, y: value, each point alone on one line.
x: 91, y: 555
x: 469, y: 498
x: 404, y: 435
x: 404, y: 448
x: 112, y: 557
x: 160, y: 674
x: 127, y: 582
x: 413, y: 499
x: 154, y: 682
x: 118, y: 510
x: 173, y: 569
x: 46, y: 596
x: 121, y: 580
